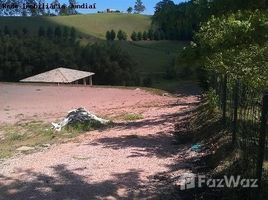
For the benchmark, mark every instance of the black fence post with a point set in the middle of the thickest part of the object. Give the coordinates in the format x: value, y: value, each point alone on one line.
x: 262, y: 138
x: 224, y: 99
x: 236, y: 103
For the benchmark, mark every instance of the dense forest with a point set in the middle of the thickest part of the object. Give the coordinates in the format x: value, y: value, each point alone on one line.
x: 180, y: 21
x: 23, y: 55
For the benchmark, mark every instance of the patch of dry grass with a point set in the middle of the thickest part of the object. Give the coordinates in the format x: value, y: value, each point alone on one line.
x: 33, y: 134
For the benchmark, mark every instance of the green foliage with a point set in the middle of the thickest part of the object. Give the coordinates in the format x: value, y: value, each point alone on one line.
x: 30, y: 55
x: 213, y: 101
x: 108, y: 35
x: 236, y: 45
x: 25, y: 31
x: 157, y: 35
x: 6, y: 30
x: 110, y: 63
x: 82, y: 127
x: 41, y: 31
x: 130, y: 117
x: 134, y: 36
x: 121, y: 35
x: 66, y: 32
x: 139, y: 7
x: 151, y: 34
x: 113, y: 35
x: 14, y: 136
x: 49, y: 32
x: 139, y: 36
x: 73, y: 34
x: 147, y: 82
x: 145, y: 35
x: 180, y: 21
x: 58, y: 32
x: 129, y: 10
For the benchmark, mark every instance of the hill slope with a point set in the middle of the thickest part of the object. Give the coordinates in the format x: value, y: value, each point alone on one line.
x: 152, y: 57
x: 94, y: 25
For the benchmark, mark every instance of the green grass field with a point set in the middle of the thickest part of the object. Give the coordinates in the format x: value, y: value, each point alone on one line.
x: 94, y: 25
x: 152, y: 57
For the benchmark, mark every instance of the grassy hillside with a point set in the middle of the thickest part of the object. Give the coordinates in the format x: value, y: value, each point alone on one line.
x: 94, y: 25
x: 152, y: 57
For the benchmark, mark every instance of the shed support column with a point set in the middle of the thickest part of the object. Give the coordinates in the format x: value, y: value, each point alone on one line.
x: 85, y: 81
x: 90, y: 81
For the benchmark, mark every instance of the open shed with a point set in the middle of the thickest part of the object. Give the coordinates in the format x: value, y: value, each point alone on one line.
x: 61, y: 75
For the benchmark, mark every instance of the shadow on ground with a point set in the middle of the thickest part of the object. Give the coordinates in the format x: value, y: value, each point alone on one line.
x: 66, y: 184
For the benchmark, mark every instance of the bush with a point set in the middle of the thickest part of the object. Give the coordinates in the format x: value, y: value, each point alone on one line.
x: 121, y: 35
x: 145, y: 35
x: 151, y: 34
x: 108, y: 35
x: 139, y: 36
x: 134, y: 36
x: 113, y: 35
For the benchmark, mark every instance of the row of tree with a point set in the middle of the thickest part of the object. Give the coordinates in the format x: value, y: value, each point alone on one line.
x: 21, y: 57
x: 148, y: 35
x: 111, y: 35
x: 136, y: 36
x: 57, y: 32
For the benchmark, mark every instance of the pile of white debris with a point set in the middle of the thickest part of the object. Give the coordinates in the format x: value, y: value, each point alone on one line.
x: 80, y: 115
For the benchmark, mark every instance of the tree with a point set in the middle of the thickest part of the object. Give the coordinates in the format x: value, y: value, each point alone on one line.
x: 129, y: 10
x: 151, y: 34
x: 108, y: 35
x: 58, y: 32
x: 121, y: 35
x: 113, y: 35
x: 41, y: 31
x: 16, y: 33
x: 6, y: 30
x: 139, y: 36
x: 124, y: 35
x: 64, y: 10
x: 73, y: 34
x: 25, y: 31
x: 31, y: 10
x: 139, y: 7
x: 65, y: 33
x: 236, y: 45
x: 157, y: 35
x: 56, y: 3
x: 145, y: 35
x: 134, y: 36
x: 49, y: 32
x: 71, y: 8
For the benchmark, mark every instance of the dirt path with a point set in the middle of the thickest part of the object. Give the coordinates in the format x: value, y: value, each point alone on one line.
x: 128, y: 161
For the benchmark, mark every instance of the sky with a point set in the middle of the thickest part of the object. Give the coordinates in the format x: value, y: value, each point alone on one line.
x: 121, y: 5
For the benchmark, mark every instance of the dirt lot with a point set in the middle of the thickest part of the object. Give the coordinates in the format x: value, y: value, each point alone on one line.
x: 128, y: 161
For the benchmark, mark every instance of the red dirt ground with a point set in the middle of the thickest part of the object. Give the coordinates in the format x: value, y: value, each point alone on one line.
x: 127, y: 161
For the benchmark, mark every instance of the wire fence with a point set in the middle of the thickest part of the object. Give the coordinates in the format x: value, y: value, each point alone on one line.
x: 244, y: 113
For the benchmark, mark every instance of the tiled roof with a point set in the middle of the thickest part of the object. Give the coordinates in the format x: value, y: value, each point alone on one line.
x: 59, y: 75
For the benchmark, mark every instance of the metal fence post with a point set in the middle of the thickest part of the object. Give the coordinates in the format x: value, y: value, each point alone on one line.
x: 236, y: 103
x: 224, y: 99
x: 262, y: 138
